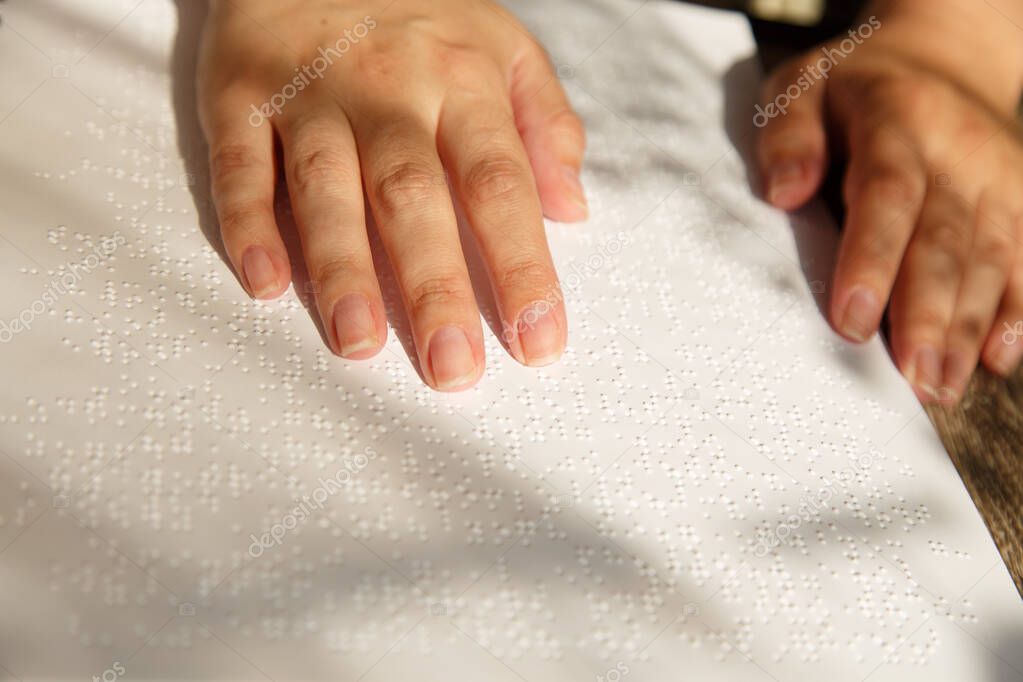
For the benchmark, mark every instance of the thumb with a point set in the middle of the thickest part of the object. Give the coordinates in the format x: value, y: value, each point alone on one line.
x: 553, y: 136
x: 792, y: 141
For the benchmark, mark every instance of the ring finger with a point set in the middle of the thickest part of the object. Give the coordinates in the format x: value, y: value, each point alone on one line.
x: 925, y: 292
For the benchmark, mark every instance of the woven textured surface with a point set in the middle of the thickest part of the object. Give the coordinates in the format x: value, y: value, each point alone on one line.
x: 984, y: 437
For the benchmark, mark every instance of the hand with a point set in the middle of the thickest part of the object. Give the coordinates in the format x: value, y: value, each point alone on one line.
x: 394, y: 99
x: 933, y: 186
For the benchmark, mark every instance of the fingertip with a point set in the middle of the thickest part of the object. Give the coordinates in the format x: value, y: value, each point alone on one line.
x: 1002, y: 351
x: 856, y: 313
x: 790, y: 183
x: 540, y: 334
x: 358, y: 330
x: 266, y: 276
x: 563, y: 198
x: 958, y: 368
x: 923, y: 371
x: 453, y: 363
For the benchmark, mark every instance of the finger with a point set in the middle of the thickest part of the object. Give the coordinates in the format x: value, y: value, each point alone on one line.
x: 322, y: 169
x: 552, y: 134
x: 984, y: 281
x: 791, y: 142
x: 495, y: 185
x: 416, y: 219
x: 1004, y: 346
x: 242, y: 184
x: 926, y: 290
x: 885, y: 186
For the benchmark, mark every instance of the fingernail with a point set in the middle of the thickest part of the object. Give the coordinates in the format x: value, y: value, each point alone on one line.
x: 259, y: 272
x: 575, y: 189
x: 451, y: 358
x: 355, y: 326
x: 539, y: 334
x: 1004, y: 357
x: 782, y: 182
x: 862, y: 314
x: 957, y: 375
x: 924, y: 372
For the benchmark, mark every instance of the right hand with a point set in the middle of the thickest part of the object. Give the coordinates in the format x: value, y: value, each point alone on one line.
x: 391, y: 99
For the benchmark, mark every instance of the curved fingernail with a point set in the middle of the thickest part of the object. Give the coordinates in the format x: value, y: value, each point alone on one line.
x: 260, y: 272
x: 355, y: 326
x: 539, y: 334
x: 575, y: 191
x: 1004, y: 356
x: 924, y: 373
x: 784, y: 181
x: 957, y: 375
x: 862, y: 314
x: 452, y: 362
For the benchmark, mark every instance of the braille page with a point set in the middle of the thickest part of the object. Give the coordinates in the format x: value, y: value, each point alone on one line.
x: 709, y: 486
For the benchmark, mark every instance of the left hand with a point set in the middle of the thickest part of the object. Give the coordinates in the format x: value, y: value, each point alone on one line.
x: 933, y: 184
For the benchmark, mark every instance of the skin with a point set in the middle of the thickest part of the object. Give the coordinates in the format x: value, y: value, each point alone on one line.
x: 458, y: 105
x: 422, y: 110
x: 924, y: 111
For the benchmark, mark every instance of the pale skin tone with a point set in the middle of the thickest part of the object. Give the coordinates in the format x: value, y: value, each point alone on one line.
x: 433, y: 94
x: 451, y: 101
x: 924, y: 110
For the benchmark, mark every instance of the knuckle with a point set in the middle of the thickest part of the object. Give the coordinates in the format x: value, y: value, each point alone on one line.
x: 436, y: 289
x: 319, y: 168
x: 239, y: 219
x: 969, y: 329
x: 455, y: 58
x: 406, y: 184
x: 996, y: 249
x: 337, y: 267
x: 924, y: 322
x: 526, y: 276
x: 879, y: 254
x: 227, y: 159
x: 915, y: 99
x: 908, y: 98
x: 379, y: 65
x: 891, y: 187
x: 493, y: 178
x: 945, y: 238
